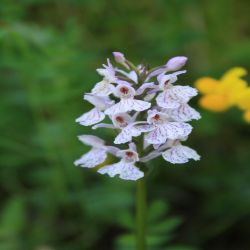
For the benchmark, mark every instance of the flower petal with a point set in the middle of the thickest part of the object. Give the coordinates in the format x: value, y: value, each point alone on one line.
x: 157, y: 136
x: 127, y: 171
x: 103, y: 88
x: 108, y: 71
x: 146, y: 128
x: 101, y: 102
x: 91, y: 140
x: 103, y: 125
x: 93, y: 158
x: 169, y: 78
x: 150, y: 156
x: 165, y: 100
x: 180, y: 154
x: 90, y: 118
x: 184, y: 93
x: 177, y: 130
x: 130, y: 172
x: 138, y: 105
x: 112, y: 169
x: 131, y: 75
x: 172, y: 97
x: 144, y: 86
x: 183, y: 113
x: 126, y: 105
x: 126, y: 135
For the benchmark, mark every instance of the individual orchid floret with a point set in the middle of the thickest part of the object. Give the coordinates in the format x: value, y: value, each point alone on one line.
x: 174, y: 152
x: 127, y: 102
x: 173, y: 96
x: 104, y: 87
x: 179, y: 154
x: 184, y: 113
x: 160, y: 128
x: 142, y: 107
x: 96, y: 114
x: 125, y: 168
x: 126, y: 124
x: 97, y: 154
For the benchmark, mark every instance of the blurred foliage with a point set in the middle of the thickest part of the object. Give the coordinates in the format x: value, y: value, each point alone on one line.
x: 48, y: 53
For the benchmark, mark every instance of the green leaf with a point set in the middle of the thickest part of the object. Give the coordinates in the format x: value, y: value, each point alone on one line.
x: 166, y: 226
x: 12, y: 218
x: 157, y: 210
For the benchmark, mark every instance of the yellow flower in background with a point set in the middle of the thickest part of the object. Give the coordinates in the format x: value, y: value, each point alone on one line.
x: 231, y: 90
x: 247, y: 116
x: 215, y: 102
x: 244, y: 104
x: 244, y: 101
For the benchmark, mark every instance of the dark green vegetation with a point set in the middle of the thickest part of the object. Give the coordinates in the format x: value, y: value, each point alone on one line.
x: 49, y: 51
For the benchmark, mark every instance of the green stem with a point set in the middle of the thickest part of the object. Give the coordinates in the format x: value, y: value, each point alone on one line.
x: 141, y: 214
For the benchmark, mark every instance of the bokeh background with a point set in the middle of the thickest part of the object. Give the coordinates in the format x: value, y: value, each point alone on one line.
x: 49, y: 50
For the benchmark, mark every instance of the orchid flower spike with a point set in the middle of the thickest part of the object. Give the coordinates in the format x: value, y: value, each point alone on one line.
x: 147, y: 112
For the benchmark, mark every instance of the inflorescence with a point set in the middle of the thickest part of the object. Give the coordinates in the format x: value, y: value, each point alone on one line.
x: 148, y: 111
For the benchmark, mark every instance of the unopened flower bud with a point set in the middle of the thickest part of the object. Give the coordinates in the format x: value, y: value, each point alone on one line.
x: 176, y: 63
x: 119, y: 57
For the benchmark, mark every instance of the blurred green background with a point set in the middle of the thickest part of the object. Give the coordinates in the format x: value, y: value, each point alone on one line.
x: 49, y: 50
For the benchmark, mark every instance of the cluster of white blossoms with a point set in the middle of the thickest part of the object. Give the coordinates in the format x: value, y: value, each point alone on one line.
x: 148, y: 111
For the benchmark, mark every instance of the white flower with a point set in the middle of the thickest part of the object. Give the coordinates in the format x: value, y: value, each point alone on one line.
x: 183, y: 113
x: 125, y: 168
x: 97, y: 154
x: 104, y: 87
x: 127, y: 103
x: 95, y: 115
x: 160, y: 128
x: 127, y: 126
x: 175, y: 153
x: 179, y: 154
x: 125, y: 123
x: 173, y: 96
